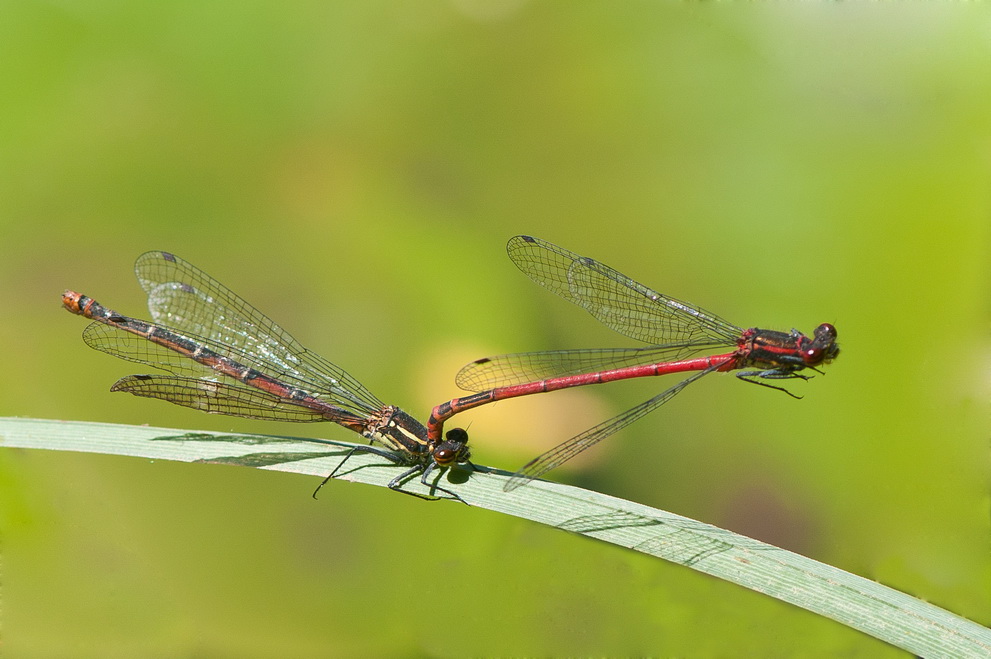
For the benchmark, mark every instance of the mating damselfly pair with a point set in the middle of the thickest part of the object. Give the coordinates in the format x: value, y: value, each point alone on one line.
x: 222, y: 356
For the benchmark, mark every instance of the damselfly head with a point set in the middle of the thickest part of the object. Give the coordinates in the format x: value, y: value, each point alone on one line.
x: 823, y: 348
x: 454, y: 448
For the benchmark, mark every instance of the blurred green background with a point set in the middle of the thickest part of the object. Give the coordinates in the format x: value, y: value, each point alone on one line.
x: 354, y: 170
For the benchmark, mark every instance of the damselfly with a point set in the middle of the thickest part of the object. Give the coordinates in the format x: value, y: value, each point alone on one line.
x: 676, y: 330
x: 223, y: 356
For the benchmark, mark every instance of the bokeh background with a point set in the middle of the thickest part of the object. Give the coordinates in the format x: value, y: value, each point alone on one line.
x: 354, y: 170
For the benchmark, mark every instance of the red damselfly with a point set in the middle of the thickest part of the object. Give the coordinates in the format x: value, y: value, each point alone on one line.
x: 223, y: 356
x: 676, y: 331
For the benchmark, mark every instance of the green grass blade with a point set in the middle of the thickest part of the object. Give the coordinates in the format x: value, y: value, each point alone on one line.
x: 886, y: 614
